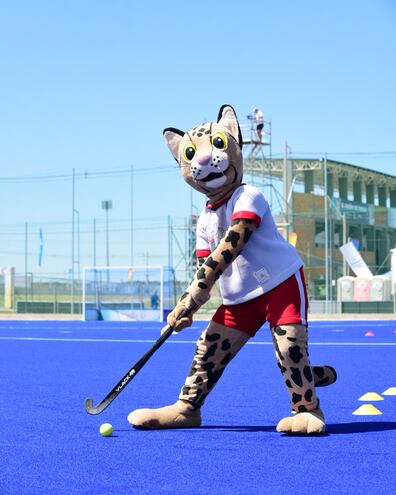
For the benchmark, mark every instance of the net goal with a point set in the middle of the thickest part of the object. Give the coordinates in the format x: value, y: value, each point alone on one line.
x: 130, y: 293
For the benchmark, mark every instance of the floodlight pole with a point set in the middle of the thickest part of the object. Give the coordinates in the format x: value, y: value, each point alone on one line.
x: 107, y: 238
x: 72, y: 260
x: 78, y: 244
x: 94, y: 242
x: 26, y: 266
x: 131, y: 215
x: 107, y: 205
x: 326, y: 212
x: 344, y: 241
x: 287, y: 185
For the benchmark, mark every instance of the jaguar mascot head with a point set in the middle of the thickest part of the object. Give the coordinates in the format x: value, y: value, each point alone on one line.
x: 210, y: 154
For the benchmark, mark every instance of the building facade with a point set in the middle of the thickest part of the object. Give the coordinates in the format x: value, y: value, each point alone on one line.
x: 326, y: 204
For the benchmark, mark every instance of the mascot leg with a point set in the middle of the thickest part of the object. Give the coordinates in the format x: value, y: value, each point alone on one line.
x: 291, y: 350
x: 216, y: 347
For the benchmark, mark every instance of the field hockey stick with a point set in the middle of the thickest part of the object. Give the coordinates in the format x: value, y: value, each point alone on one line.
x: 91, y: 409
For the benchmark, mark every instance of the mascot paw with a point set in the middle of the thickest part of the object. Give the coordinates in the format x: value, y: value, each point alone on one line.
x: 178, y: 415
x: 304, y: 423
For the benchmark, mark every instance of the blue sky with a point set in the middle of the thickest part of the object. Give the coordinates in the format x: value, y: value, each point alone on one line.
x: 90, y: 85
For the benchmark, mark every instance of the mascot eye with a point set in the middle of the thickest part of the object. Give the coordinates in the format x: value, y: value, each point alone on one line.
x: 189, y: 152
x: 219, y: 140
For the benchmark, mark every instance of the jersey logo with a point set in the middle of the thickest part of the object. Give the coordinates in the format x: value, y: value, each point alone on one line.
x: 261, y: 275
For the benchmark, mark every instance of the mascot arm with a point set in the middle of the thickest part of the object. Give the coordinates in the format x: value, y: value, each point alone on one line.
x: 200, y: 261
x: 198, y: 292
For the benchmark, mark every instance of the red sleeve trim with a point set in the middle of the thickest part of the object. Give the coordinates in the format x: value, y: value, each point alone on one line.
x: 202, y: 253
x: 249, y: 215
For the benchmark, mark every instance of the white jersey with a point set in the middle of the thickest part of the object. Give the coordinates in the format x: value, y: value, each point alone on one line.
x: 267, y: 259
x: 259, y: 117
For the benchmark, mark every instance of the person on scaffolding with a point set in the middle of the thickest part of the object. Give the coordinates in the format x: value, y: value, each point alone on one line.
x: 257, y: 119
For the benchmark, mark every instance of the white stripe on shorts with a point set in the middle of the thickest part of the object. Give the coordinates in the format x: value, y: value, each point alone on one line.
x: 303, y: 302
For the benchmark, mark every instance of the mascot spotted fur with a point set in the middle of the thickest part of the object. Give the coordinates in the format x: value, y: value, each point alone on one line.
x: 260, y: 277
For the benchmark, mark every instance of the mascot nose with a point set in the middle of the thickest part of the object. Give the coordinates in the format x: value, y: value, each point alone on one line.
x: 204, y: 159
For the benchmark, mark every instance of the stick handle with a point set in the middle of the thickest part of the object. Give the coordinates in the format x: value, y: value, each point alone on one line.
x: 168, y: 332
x: 157, y: 344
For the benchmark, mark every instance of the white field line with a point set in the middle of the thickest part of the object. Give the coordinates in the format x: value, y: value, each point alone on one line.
x: 312, y: 326
x: 138, y: 341
x: 354, y: 323
x: 78, y: 328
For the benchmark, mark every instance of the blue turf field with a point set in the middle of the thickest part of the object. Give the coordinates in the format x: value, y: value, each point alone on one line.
x: 50, y: 445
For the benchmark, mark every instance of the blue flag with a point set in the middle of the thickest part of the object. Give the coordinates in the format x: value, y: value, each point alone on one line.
x: 41, y: 247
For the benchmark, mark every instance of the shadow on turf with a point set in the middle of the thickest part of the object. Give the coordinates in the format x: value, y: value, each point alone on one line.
x: 331, y: 429
x: 361, y: 427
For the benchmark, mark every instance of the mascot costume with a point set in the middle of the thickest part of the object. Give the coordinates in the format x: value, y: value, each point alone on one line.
x: 260, y: 277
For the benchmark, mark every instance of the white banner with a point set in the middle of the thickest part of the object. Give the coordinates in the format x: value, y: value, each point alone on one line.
x: 355, y: 261
x: 393, y: 270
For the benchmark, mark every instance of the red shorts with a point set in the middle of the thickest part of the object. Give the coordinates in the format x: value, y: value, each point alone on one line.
x: 285, y: 304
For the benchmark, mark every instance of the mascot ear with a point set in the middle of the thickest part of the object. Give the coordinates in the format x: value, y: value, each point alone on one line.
x: 228, y: 119
x: 173, y: 137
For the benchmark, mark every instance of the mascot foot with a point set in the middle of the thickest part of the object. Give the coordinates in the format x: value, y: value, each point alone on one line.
x: 304, y: 423
x: 178, y: 415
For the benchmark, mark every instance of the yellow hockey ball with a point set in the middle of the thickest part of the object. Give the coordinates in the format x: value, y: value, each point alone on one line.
x: 106, y: 430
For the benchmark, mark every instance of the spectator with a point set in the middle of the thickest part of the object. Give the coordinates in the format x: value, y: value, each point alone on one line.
x: 257, y: 119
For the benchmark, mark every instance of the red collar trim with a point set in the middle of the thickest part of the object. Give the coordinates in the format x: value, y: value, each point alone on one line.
x: 214, y: 206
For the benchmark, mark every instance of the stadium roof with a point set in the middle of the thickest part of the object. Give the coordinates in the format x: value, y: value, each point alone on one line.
x: 275, y: 167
